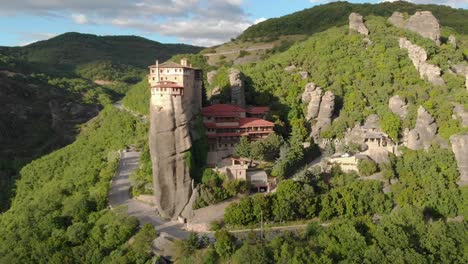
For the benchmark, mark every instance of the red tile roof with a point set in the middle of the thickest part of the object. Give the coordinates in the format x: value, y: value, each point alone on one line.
x: 254, y: 122
x: 223, y: 110
x: 258, y: 109
x: 170, y: 64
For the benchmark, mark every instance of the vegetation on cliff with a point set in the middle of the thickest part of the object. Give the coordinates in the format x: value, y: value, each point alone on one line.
x: 60, y: 209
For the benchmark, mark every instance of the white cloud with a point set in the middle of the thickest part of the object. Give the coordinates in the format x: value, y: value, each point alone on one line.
x: 259, y: 20
x: 194, y: 21
x: 27, y: 38
x: 452, y: 3
x: 80, y: 19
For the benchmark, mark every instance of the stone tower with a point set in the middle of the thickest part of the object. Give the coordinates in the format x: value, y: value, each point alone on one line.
x: 176, y: 93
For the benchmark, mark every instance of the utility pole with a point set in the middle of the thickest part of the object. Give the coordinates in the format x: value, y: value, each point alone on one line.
x: 261, y: 224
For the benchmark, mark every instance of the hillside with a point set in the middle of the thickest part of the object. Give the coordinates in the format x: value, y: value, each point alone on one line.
x: 322, y: 17
x: 64, y: 53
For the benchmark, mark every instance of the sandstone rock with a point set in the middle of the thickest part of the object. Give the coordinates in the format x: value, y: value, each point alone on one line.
x: 372, y: 122
x: 425, y: 24
x: 304, y: 74
x: 290, y: 69
x: 356, y: 22
x: 324, y: 117
x: 236, y: 80
x: 312, y: 96
x: 460, y: 149
x: 210, y: 76
x: 398, y: 106
x: 169, y: 142
x: 397, y: 19
x: 424, y: 132
x: 461, y: 114
x: 422, y: 23
x: 452, y: 41
x: 418, y: 56
x: 460, y: 69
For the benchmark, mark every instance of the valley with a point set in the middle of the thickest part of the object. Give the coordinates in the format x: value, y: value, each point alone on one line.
x: 335, y: 134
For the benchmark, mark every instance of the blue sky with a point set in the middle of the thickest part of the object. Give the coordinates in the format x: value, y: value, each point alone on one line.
x: 199, y: 22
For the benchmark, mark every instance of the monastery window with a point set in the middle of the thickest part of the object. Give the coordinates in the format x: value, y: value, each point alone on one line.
x: 167, y: 70
x: 153, y: 78
x: 152, y: 71
x: 160, y: 71
x: 161, y: 78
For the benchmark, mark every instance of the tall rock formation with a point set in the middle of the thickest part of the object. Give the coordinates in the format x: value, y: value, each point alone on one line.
x: 460, y: 149
x: 324, y: 118
x: 424, y: 132
x: 398, y: 106
x: 175, y: 101
x: 356, y: 22
x: 422, y: 23
x: 319, y: 107
x: 236, y: 80
x: 418, y: 56
x: 461, y: 114
x: 312, y: 96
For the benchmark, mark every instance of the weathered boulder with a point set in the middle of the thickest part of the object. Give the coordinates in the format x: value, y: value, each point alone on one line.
x: 169, y: 142
x: 210, y: 76
x: 460, y: 149
x: 356, y: 22
x: 397, y: 19
x: 290, y: 69
x: 452, y: 41
x: 312, y: 96
x: 460, y: 69
x: 304, y: 75
x: 324, y: 117
x: 418, y: 56
x: 398, y: 106
x: 424, y: 132
x: 425, y: 24
x: 372, y: 122
x: 461, y: 114
x: 236, y: 80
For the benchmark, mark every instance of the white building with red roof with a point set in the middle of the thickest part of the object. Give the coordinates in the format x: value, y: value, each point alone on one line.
x: 225, y: 124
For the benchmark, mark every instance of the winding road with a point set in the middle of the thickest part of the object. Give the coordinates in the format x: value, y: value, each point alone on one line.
x: 119, y: 195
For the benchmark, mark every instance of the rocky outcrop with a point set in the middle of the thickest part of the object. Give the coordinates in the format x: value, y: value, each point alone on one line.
x: 460, y: 149
x: 461, y: 114
x: 304, y: 75
x: 169, y: 144
x: 319, y: 107
x: 422, y: 23
x: 424, y: 132
x: 210, y: 76
x: 290, y: 69
x: 452, y: 41
x: 418, y: 56
x: 356, y: 22
x: 236, y: 80
x: 312, y: 96
x: 324, y: 117
x: 397, y: 19
x: 462, y: 70
x: 398, y: 106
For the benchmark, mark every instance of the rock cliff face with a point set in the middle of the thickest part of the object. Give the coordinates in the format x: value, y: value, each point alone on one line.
x: 210, y: 76
x: 461, y: 114
x: 424, y: 132
x: 169, y: 143
x: 398, y: 106
x: 236, y: 80
x: 418, y: 56
x: 319, y: 107
x: 312, y: 96
x: 356, y: 22
x: 324, y: 117
x: 422, y: 23
x: 460, y: 149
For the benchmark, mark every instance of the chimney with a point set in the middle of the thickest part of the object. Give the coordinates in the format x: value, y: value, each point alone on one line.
x: 184, y: 62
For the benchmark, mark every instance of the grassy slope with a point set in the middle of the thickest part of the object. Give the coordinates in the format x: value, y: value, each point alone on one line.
x: 322, y: 17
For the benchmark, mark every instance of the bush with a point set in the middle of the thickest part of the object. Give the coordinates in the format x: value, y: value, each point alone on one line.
x: 367, y: 167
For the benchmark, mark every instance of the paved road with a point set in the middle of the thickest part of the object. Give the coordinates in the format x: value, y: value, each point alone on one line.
x: 119, y: 195
x: 268, y: 46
